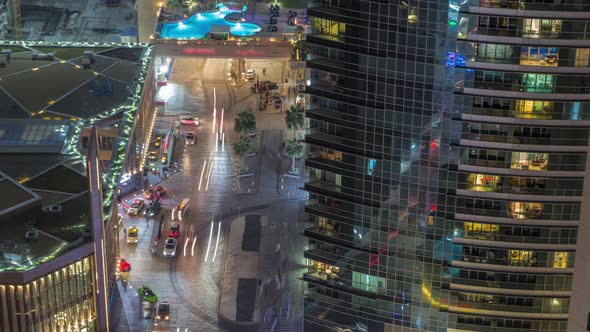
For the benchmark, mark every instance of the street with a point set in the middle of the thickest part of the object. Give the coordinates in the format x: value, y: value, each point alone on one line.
x: 191, y: 280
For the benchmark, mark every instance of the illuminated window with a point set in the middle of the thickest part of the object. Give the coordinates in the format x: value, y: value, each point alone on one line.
x: 518, y: 257
x: 530, y: 161
x: 371, y: 166
x: 474, y: 230
x: 328, y: 27
x: 560, y: 260
x: 525, y: 210
x: 482, y: 182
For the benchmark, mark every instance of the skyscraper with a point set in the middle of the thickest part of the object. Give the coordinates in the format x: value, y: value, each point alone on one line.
x: 448, y: 144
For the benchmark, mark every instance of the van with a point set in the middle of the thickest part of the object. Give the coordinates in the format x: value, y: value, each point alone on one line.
x: 179, y: 211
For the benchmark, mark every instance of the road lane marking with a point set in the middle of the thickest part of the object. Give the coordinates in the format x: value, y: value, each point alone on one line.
x: 201, y: 179
x: 185, y: 244
x: 209, y: 176
x: 216, y: 241
x: 193, y: 247
x: 209, y: 244
x: 222, y: 142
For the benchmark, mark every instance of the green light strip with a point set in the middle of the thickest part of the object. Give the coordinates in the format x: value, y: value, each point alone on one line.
x: 110, y: 180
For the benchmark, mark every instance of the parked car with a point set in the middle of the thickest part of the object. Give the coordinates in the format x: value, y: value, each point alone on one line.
x: 155, y: 192
x: 132, y: 235
x: 189, y: 120
x: 146, y: 294
x: 291, y: 22
x: 274, y: 7
x: 272, y: 28
x: 271, y: 21
x: 163, y: 312
x: 250, y: 74
x: 152, y: 157
x: 190, y: 138
x: 273, y: 14
x: 170, y: 247
x: 135, y: 207
x: 153, y: 208
x: 174, y: 229
x: 292, y: 14
x: 124, y: 265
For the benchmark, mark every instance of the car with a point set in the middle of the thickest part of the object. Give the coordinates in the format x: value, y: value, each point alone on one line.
x: 174, y: 229
x: 271, y: 21
x: 155, y: 192
x: 163, y: 312
x: 170, y: 247
x: 272, y: 28
x: 273, y: 14
x: 124, y: 265
x: 152, y: 157
x: 189, y: 120
x: 292, y: 14
x: 190, y: 138
x: 164, y: 159
x: 153, y: 208
x: 135, y: 207
x: 132, y: 235
x: 275, y: 7
x: 251, y: 73
x: 146, y: 294
x: 291, y: 22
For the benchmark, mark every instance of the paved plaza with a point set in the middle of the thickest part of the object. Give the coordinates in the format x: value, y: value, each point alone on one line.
x: 191, y: 281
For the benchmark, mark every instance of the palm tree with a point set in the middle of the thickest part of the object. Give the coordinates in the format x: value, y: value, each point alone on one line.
x: 294, y: 119
x: 245, y: 123
x: 294, y: 150
x: 241, y: 148
x: 173, y: 5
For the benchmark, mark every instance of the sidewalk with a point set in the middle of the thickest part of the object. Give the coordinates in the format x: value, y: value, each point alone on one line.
x: 238, y: 299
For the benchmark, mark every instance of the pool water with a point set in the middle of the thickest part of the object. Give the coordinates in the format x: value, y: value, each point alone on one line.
x: 198, y: 25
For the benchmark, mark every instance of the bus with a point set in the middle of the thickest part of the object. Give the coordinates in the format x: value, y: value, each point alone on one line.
x: 179, y: 211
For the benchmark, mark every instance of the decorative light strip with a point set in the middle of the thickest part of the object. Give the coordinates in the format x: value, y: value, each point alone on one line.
x: 110, y: 179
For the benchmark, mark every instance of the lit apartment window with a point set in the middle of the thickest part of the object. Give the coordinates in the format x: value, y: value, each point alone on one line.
x: 483, y: 182
x: 529, y: 160
x: 560, y: 260
x: 525, y: 210
x: 541, y: 28
x: 532, y: 109
x: 539, y: 56
x: 521, y: 257
x: 327, y: 27
x: 583, y: 57
x: 474, y: 230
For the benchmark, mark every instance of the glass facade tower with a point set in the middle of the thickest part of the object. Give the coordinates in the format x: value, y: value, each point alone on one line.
x: 447, y: 157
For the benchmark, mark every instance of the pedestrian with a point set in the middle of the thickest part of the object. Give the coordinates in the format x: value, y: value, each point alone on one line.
x: 176, y: 165
x: 125, y: 231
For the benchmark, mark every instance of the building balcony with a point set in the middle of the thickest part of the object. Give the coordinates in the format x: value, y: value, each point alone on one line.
x: 495, y: 240
x: 519, y: 8
x: 532, y: 39
x: 337, y: 212
x: 331, y: 236
x: 516, y: 169
x: 348, y: 119
x: 351, y: 146
x: 504, y: 265
x: 355, y: 171
x: 542, y: 137
x: 523, y: 216
x: 538, y: 306
x: 490, y: 287
x: 524, y: 285
x: 520, y: 147
x: 524, y: 118
x: 518, y: 197
x: 354, y: 195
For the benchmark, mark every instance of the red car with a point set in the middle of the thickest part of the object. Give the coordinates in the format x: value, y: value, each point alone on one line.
x: 174, y: 229
x: 155, y: 192
x: 124, y: 266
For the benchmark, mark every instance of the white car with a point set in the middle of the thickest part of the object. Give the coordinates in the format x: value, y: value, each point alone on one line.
x: 190, y: 138
x: 170, y: 247
x: 250, y: 74
x: 135, y: 207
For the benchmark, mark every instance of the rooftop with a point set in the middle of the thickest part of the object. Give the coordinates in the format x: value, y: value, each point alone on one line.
x: 44, y: 104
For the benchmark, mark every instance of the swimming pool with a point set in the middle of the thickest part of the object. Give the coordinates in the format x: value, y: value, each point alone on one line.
x: 198, y: 25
